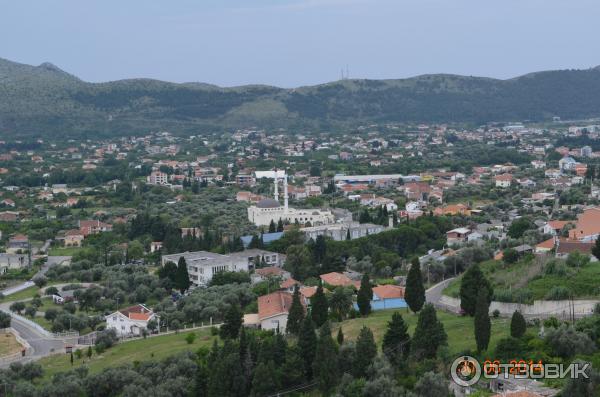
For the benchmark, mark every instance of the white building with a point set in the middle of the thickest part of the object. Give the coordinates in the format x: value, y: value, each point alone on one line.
x: 203, y: 265
x: 271, y: 210
x: 131, y: 321
x: 158, y: 178
x: 341, y: 231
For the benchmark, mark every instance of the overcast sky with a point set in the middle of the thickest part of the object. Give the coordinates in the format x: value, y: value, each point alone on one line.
x: 299, y: 42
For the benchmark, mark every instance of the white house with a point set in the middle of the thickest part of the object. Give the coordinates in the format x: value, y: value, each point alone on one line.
x: 203, y: 265
x: 273, y: 310
x: 131, y: 321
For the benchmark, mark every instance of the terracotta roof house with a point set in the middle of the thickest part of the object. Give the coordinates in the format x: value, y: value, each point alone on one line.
x: 94, y: 227
x: 73, y: 238
x: 564, y: 247
x: 387, y: 297
x: 289, y: 284
x: 273, y: 310
x: 545, y: 246
x: 587, y: 226
x: 336, y: 279
x: 131, y: 321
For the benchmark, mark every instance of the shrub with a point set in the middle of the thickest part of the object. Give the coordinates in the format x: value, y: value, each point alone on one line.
x: 557, y: 293
x: 190, y: 338
x: 567, y: 342
x: 105, y: 340
x: 496, y: 313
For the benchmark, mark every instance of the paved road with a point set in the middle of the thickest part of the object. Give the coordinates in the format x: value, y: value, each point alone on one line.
x: 41, y: 344
x: 434, y: 294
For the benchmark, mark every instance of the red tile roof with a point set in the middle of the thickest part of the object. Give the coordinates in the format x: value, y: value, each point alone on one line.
x: 274, y: 304
x: 389, y: 291
x: 336, y: 279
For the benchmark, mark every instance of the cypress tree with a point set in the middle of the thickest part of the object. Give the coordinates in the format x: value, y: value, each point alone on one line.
x: 396, y: 341
x: 307, y: 343
x: 232, y: 322
x: 296, y: 314
x: 364, y: 296
x: 319, y: 306
x: 414, y: 293
x: 325, y: 366
x: 340, y: 336
x: 473, y: 280
x: 182, y: 278
x: 483, y: 325
x: 429, y: 334
x: 366, y: 351
x: 265, y: 380
x: 348, y: 237
x: 518, y: 326
x: 280, y: 225
x: 272, y: 227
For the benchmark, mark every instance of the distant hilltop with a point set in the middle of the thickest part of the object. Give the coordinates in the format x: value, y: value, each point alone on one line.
x: 45, y: 100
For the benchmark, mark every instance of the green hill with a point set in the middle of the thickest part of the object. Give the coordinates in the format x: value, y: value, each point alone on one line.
x: 43, y: 100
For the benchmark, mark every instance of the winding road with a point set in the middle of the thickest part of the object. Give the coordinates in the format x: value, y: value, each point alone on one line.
x: 41, y: 341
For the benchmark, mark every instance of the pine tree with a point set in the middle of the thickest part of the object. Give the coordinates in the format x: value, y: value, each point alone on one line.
x: 483, y: 325
x: 182, y: 278
x: 265, y: 380
x: 473, y: 280
x: 319, y: 306
x: 596, y: 249
x: 366, y: 351
x: 340, y: 336
x: 414, y: 293
x: 325, y: 366
x: 518, y: 326
x: 296, y: 313
x: 396, y: 341
x: 429, y: 334
x: 307, y: 343
x: 232, y: 322
x: 364, y: 296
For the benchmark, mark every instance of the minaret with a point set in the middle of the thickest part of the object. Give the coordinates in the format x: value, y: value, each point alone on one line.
x: 285, y: 194
x: 276, y: 187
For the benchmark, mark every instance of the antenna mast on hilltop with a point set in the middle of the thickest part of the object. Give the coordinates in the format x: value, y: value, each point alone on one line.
x: 346, y: 75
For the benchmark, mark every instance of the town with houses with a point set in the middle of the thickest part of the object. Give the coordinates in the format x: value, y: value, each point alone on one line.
x: 138, y: 240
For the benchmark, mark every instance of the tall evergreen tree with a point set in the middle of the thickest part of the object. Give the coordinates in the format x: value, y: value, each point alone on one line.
x: 340, y: 336
x: 232, y: 323
x: 396, y: 341
x: 348, y: 237
x: 429, y: 334
x: 596, y: 249
x: 319, y: 306
x: 307, y: 343
x: 325, y: 366
x: 518, y: 326
x: 296, y: 313
x: 226, y: 374
x: 266, y: 379
x: 272, y: 227
x: 483, y: 325
x: 280, y: 225
x: 320, y: 249
x: 364, y: 296
x: 414, y: 293
x: 182, y: 278
x: 365, y: 353
x: 473, y: 280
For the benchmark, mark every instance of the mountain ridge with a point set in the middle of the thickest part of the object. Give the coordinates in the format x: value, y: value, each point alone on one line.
x: 44, y: 99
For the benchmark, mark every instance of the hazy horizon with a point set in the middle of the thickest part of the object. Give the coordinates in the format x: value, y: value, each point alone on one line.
x: 291, y: 43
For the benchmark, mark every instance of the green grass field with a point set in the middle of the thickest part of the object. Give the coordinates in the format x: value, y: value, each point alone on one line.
x: 529, y: 275
x: 152, y: 348
x: 24, y: 294
x: 460, y: 332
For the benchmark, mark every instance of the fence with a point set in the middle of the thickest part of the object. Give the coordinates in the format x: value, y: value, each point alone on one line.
x: 18, y: 355
x: 564, y: 309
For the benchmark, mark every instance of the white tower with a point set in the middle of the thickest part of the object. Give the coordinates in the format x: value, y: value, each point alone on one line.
x: 276, y: 188
x: 285, y: 194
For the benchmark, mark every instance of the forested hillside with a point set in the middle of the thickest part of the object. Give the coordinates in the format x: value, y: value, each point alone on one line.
x: 42, y: 100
